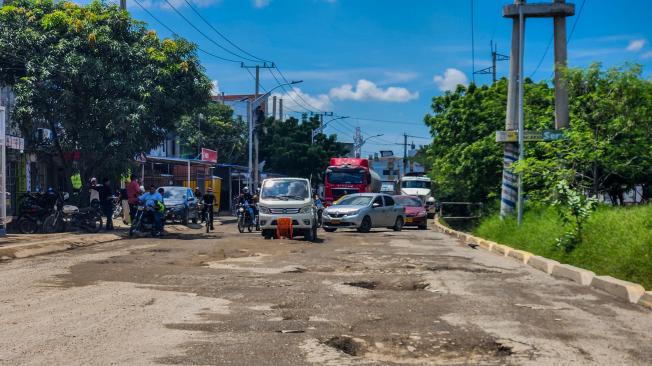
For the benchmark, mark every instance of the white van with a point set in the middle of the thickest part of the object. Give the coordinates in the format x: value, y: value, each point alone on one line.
x: 290, y: 198
x: 420, y: 186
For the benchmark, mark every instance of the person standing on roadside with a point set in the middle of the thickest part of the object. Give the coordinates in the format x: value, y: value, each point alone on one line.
x: 106, y: 202
x: 94, y: 192
x: 133, y: 192
x: 124, y: 201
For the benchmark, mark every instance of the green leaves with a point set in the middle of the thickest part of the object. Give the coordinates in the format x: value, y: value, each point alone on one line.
x: 574, y: 210
x: 103, y: 83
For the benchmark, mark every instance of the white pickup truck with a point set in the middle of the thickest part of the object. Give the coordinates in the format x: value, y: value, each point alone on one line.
x: 287, y: 198
x: 421, y: 187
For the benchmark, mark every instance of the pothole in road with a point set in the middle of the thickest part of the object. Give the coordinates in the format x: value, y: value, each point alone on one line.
x: 400, y: 285
x: 349, y: 345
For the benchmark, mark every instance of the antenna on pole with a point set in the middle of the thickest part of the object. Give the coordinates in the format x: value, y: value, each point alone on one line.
x: 495, y: 57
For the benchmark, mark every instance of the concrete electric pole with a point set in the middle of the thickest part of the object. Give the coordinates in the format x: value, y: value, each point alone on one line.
x: 511, y: 189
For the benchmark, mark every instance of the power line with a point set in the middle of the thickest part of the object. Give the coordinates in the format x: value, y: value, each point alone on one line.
x: 570, y: 36
x: 194, y: 9
x: 286, y: 92
x: 298, y: 95
x: 206, y: 36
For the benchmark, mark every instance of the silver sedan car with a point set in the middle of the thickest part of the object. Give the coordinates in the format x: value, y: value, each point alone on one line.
x: 364, y: 211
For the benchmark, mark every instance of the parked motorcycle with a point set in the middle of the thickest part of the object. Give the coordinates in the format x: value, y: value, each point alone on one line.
x: 34, y: 209
x: 245, y: 218
x: 69, y: 217
x: 143, y: 221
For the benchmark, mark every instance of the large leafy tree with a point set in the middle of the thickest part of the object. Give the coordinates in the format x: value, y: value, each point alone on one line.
x: 105, y: 85
x: 285, y: 146
x: 466, y: 160
x: 214, y: 127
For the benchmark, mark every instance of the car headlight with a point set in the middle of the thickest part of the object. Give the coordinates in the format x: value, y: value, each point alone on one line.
x: 352, y: 213
x: 305, y: 209
x: 264, y: 209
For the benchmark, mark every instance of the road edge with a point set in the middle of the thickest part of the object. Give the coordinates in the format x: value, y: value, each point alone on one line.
x: 623, y: 290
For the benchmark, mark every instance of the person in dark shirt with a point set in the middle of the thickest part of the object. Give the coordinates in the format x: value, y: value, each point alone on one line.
x: 106, y: 202
x: 209, y: 201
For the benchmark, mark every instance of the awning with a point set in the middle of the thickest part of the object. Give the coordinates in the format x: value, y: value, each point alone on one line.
x: 168, y: 160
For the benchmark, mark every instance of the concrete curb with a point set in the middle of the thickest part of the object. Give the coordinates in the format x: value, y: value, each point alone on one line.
x: 619, y: 288
x: 19, y: 251
x: 646, y: 300
x: 624, y: 290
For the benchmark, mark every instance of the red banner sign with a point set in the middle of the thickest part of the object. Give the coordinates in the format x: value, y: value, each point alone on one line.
x: 209, y: 155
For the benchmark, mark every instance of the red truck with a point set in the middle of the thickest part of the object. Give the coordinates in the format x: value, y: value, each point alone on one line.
x: 349, y: 175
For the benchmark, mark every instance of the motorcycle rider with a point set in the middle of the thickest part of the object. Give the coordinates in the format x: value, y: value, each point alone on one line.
x: 209, y: 201
x: 246, y: 199
x: 152, y: 199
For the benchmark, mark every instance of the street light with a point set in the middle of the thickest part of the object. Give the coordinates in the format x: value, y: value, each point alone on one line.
x: 251, y: 168
x: 361, y: 142
x: 319, y: 130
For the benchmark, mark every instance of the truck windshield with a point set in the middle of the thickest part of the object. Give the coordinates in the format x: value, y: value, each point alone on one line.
x: 285, y: 189
x: 345, y: 177
x: 415, y: 184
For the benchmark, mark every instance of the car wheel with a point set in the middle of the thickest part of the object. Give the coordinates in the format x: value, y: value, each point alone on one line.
x: 365, y: 226
x: 330, y: 229
x: 241, y: 226
x: 268, y: 234
x: 398, y: 225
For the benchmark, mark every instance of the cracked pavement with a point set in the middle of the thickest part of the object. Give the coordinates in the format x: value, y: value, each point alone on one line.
x: 384, y: 298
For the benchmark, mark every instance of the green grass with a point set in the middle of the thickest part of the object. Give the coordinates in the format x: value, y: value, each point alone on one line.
x: 617, y: 241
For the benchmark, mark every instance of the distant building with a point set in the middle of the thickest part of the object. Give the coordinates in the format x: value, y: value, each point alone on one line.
x: 390, y: 168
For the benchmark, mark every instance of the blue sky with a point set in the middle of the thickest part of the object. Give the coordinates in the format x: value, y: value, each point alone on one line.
x: 385, y: 60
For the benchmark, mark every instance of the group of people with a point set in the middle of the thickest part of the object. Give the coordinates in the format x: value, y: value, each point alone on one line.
x: 134, y: 194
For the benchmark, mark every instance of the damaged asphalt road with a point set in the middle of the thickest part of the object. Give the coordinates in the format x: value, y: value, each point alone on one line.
x: 383, y: 298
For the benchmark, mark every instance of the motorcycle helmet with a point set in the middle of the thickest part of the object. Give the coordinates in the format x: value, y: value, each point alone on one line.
x: 245, y: 190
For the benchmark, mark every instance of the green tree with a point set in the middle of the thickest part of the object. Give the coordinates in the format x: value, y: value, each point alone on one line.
x: 608, y: 147
x: 466, y: 160
x: 285, y: 146
x: 214, y: 127
x: 103, y: 83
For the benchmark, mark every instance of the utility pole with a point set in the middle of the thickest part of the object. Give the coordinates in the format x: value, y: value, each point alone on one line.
x: 123, y: 4
x: 512, y: 186
x: 280, y: 109
x: 274, y: 107
x: 495, y: 56
x: 405, y: 137
x: 357, y: 142
x: 256, y: 128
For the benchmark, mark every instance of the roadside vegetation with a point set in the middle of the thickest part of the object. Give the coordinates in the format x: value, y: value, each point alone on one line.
x: 616, y: 241
x: 606, y: 152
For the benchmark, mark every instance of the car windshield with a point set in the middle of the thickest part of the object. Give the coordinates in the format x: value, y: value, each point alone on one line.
x: 345, y: 177
x: 285, y: 189
x: 415, y: 184
x: 354, y: 201
x: 173, y: 193
x: 408, y: 201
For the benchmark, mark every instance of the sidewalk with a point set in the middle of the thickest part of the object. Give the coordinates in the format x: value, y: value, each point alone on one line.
x: 15, y: 246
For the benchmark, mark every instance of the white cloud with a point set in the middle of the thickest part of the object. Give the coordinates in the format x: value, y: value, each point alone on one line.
x: 295, y: 99
x: 451, y: 79
x: 636, y: 45
x: 216, y: 87
x: 646, y: 55
x: 366, y: 90
x: 261, y: 3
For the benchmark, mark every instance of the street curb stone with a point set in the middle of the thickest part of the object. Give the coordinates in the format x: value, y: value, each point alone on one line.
x: 628, y: 291
x: 501, y: 249
x: 520, y: 255
x: 575, y: 274
x: 542, y: 264
x: 625, y: 290
x: 646, y: 300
